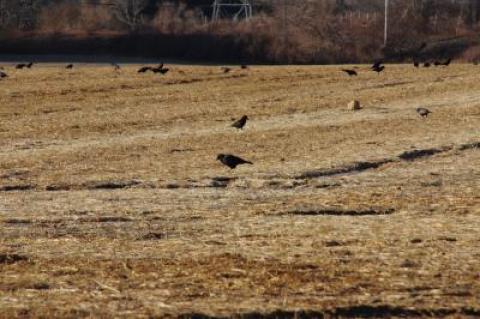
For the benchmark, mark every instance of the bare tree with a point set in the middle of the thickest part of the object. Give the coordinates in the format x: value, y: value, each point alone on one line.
x: 474, y: 11
x: 129, y: 12
x: 19, y: 14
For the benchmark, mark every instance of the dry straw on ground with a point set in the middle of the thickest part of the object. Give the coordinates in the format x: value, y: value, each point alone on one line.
x: 112, y: 202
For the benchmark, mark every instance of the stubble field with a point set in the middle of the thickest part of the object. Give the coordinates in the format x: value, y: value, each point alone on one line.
x: 112, y: 203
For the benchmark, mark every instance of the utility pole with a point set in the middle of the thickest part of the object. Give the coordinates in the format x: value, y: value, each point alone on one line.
x: 285, y: 27
x: 385, y: 36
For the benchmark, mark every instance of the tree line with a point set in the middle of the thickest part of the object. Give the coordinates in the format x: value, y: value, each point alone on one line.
x: 132, y: 15
x: 306, y: 31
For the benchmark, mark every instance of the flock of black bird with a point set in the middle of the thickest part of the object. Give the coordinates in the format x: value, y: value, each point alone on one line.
x: 24, y: 65
x: 154, y: 69
x: 233, y: 161
x: 230, y: 160
x: 159, y: 69
x: 379, y: 67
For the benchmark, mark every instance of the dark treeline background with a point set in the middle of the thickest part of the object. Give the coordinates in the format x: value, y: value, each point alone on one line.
x: 291, y: 31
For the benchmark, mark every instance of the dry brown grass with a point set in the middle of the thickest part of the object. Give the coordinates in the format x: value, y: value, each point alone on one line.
x: 112, y: 203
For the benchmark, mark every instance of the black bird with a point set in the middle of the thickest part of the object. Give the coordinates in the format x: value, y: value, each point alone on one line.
x: 350, y: 72
x: 69, y: 67
x: 241, y: 122
x: 160, y: 69
x: 447, y: 63
x: 426, y: 65
x: 164, y: 70
x: 437, y: 63
x: 3, y: 75
x: 244, y: 66
x: 231, y: 161
x: 376, y: 64
x: 416, y: 64
x: 423, y: 112
x: 378, y: 69
x: 144, y: 69
x: 226, y: 69
x: 29, y: 65
x: 20, y: 66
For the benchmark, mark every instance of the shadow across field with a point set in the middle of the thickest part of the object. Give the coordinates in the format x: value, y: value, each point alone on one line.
x: 360, y: 311
x: 409, y: 156
x: 6, y: 258
x: 224, y: 182
x: 351, y: 168
x: 340, y: 212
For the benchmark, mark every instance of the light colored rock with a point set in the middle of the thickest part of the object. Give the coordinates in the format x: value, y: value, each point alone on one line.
x: 354, y: 105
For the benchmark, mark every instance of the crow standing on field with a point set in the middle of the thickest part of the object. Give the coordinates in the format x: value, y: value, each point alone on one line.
x: 160, y: 69
x: 226, y: 69
x: 69, y: 67
x: 426, y: 65
x: 164, y: 70
x: 416, y: 64
x: 241, y: 122
x: 23, y: 65
x: 377, y: 66
x: 231, y: 161
x: 244, y: 66
x: 423, y: 112
x: 447, y: 63
x: 350, y: 72
x: 378, y: 69
x: 116, y: 66
x: 144, y: 69
x: 3, y: 75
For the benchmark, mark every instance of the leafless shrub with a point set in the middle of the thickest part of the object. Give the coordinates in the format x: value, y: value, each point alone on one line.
x: 94, y: 19
x: 177, y: 19
x: 129, y: 12
x: 63, y: 17
x: 472, y: 54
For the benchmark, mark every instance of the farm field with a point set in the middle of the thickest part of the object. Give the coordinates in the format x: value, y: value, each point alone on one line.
x: 112, y: 203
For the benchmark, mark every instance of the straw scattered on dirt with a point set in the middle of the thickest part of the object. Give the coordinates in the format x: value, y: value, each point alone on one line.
x: 112, y: 202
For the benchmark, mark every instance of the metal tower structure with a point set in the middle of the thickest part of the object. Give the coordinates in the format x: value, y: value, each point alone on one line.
x: 234, y: 9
